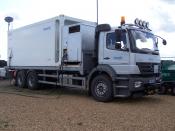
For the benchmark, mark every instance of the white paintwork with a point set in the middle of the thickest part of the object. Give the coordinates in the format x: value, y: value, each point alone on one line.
x: 123, y: 62
x: 33, y: 46
x: 116, y: 57
x: 74, y: 47
x: 119, y: 60
x: 41, y: 44
x: 147, y: 58
x: 73, y: 44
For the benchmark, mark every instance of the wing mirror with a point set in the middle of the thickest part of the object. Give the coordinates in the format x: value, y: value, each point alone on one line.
x: 164, y: 42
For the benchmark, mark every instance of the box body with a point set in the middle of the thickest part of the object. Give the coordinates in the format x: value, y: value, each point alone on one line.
x: 42, y: 44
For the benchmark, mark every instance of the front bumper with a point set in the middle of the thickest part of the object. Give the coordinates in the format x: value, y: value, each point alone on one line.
x: 137, y: 85
x: 148, y: 83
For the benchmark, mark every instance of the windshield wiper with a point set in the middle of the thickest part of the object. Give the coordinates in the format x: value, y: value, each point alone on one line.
x: 145, y: 49
x: 149, y: 51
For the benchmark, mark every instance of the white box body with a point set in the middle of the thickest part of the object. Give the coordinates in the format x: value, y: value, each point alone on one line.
x: 41, y: 44
x: 33, y: 45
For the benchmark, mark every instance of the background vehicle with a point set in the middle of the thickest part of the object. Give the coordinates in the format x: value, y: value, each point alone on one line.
x: 3, y: 63
x: 65, y: 51
x: 3, y: 73
x: 168, y: 77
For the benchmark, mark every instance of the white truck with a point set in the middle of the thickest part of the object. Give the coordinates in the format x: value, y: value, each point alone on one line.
x: 69, y: 52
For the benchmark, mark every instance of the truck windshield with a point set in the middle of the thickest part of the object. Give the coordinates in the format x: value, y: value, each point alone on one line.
x: 145, y: 42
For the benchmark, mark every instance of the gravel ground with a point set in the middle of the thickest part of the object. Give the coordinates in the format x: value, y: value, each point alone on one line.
x: 53, y: 109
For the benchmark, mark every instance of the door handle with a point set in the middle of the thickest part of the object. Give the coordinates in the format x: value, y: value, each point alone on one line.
x: 106, y: 58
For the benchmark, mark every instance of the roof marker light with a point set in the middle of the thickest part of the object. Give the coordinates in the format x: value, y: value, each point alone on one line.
x: 144, y: 24
x: 147, y: 25
x: 140, y: 22
x: 122, y: 20
x: 136, y: 21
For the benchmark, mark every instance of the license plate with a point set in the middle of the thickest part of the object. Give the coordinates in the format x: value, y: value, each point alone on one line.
x: 156, y: 68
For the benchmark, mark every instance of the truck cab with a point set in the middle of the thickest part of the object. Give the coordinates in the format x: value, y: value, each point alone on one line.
x: 130, y: 53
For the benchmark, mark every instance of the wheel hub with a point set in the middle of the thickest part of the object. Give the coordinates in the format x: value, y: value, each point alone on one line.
x: 31, y: 80
x: 101, y: 89
x: 19, y: 80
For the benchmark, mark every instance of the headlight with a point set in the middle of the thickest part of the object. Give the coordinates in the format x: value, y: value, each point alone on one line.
x: 137, y: 84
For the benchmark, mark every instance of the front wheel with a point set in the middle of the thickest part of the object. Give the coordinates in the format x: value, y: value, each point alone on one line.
x: 32, y: 81
x: 101, y: 88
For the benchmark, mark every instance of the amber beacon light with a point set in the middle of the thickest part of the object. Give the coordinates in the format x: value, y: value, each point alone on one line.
x: 122, y: 20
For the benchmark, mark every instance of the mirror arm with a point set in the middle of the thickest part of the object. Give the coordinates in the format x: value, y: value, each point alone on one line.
x: 164, y: 41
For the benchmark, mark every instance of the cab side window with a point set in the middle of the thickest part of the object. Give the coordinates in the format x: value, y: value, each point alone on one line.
x: 112, y: 41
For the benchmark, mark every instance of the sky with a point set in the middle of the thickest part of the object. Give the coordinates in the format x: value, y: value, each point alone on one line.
x: 159, y: 13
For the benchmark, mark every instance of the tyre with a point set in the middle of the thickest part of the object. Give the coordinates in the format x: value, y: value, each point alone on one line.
x: 101, y: 88
x: 21, y: 79
x: 32, y: 81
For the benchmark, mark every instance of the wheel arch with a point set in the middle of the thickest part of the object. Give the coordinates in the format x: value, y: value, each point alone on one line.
x: 100, y: 69
x: 28, y: 71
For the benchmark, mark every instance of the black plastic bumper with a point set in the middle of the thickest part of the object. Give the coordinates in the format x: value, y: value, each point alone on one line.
x: 149, y: 83
x: 147, y: 86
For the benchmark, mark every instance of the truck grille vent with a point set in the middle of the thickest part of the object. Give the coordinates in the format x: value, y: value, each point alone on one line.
x: 147, y: 68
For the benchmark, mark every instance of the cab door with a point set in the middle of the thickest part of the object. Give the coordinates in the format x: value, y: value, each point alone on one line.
x: 115, y: 49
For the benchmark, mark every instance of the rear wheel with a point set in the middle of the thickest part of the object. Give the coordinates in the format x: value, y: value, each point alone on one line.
x: 21, y: 79
x: 32, y: 81
x: 101, y: 88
